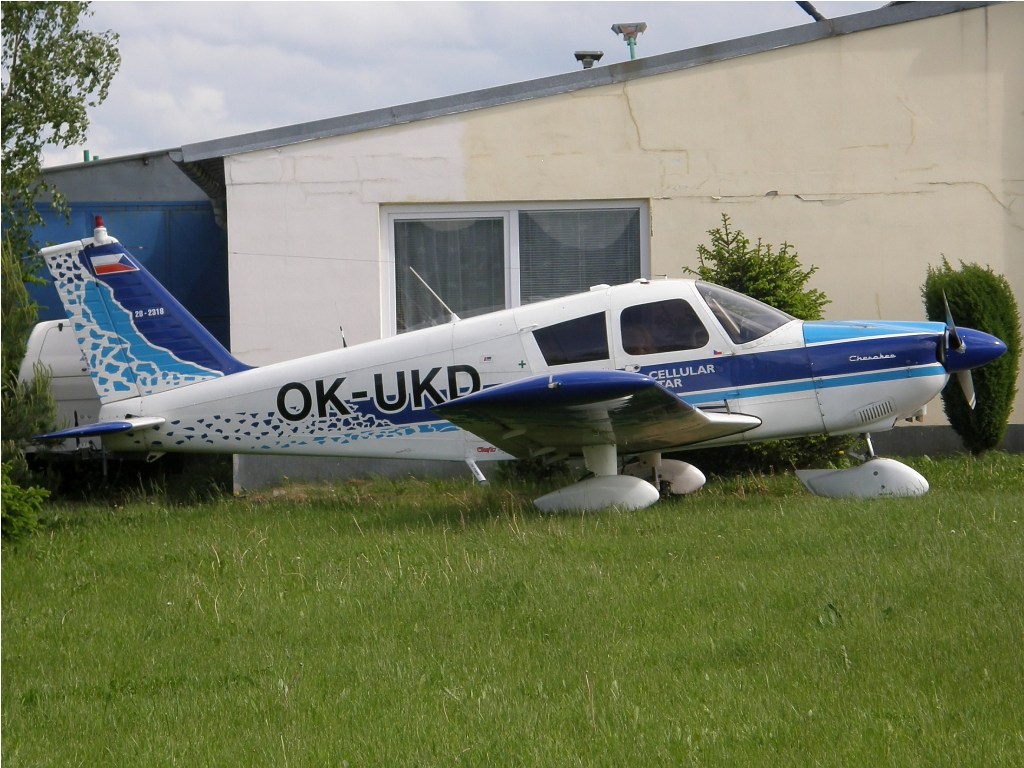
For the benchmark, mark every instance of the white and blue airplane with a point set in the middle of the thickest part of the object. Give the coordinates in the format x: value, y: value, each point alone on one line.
x: 624, y: 372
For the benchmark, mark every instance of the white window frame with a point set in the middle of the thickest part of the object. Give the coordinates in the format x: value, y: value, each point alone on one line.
x: 509, y: 213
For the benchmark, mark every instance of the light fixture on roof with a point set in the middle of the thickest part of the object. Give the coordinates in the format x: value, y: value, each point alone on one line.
x: 587, y: 58
x: 629, y: 30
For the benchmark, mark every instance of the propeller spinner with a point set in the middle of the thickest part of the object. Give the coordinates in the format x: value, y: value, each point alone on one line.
x: 970, y: 349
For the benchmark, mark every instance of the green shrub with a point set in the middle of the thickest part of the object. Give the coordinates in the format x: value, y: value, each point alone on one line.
x: 28, y: 408
x: 775, y: 277
x: 21, y: 506
x: 980, y: 299
x: 535, y: 470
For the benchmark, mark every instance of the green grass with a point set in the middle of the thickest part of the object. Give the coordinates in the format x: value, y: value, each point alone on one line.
x: 435, y: 623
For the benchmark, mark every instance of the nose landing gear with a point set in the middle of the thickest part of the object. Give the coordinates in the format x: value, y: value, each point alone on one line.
x: 874, y: 478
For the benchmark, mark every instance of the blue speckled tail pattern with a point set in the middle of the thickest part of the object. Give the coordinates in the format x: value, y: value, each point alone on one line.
x: 137, y: 339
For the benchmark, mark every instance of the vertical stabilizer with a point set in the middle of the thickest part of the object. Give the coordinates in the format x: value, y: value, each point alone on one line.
x: 136, y: 337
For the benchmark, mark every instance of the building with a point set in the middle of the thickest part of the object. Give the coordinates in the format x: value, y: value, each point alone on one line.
x: 160, y: 215
x: 876, y: 143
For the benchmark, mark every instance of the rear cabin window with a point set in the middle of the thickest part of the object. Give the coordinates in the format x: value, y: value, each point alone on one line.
x: 661, y: 326
x: 580, y: 340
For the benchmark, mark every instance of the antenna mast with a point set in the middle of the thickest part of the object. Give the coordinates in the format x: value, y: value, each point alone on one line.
x: 427, y: 286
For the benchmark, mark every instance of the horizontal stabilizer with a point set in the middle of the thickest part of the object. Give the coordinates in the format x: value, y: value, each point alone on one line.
x: 104, y: 428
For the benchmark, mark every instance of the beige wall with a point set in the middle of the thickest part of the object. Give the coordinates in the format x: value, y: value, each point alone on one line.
x: 873, y: 153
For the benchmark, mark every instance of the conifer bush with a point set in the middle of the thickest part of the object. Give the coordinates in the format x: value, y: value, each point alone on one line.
x: 775, y: 277
x: 19, y: 513
x: 980, y: 299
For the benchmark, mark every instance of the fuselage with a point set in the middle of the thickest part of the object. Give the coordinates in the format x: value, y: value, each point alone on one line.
x: 701, y: 343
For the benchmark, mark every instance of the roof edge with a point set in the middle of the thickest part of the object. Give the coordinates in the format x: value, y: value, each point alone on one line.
x: 897, y: 13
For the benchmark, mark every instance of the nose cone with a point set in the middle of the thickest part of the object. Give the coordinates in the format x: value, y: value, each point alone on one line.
x: 978, y: 349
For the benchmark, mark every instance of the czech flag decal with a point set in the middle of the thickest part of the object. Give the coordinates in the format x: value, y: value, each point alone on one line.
x: 112, y: 264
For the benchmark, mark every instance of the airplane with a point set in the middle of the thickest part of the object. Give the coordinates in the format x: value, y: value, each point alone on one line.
x: 615, y: 373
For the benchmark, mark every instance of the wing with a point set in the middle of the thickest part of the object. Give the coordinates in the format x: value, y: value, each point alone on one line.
x: 567, y: 411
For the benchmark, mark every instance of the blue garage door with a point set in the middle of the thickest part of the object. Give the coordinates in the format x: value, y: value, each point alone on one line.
x: 180, y: 243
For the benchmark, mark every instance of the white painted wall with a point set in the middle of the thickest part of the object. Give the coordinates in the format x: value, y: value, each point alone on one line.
x: 874, y: 154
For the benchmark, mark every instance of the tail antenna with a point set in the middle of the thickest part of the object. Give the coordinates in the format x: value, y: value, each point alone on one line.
x: 99, y: 232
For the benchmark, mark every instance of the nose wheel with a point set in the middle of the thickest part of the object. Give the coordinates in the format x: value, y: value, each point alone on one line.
x: 873, y: 478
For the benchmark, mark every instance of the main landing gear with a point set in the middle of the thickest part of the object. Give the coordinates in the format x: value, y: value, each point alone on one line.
x: 670, y: 476
x: 640, y: 484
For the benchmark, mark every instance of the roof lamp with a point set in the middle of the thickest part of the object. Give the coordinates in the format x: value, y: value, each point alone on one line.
x: 629, y: 30
x: 587, y: 58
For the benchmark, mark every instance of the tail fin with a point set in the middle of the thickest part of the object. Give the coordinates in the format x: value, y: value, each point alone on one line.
x: 136, y: 337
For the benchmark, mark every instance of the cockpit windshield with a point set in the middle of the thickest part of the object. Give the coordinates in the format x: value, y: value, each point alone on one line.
x: 743, y: 318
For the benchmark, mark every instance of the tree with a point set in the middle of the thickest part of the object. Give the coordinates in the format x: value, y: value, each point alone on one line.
x: 27, y: 406
x: 53, y: 71
x: 980, y: 299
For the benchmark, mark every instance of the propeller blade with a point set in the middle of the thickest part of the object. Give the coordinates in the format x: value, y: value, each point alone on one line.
x: 955, y: 342
x: 967, y: 386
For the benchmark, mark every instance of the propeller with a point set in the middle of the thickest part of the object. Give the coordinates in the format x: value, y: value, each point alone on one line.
x: 954, y: 342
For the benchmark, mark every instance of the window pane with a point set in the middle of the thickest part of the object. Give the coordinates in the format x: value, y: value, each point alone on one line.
x: 462, y: 260
x: 579, y: 340
x: 661, y: 326
x: 568, y: 251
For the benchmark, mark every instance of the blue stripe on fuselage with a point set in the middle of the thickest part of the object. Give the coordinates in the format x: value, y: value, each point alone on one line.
x: 880, y: 353
x: 806, y: 385
x: 827, y: 332
x: 842, y: 354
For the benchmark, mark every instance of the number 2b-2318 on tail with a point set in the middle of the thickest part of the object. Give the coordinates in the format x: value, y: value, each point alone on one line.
x: 629, y: 371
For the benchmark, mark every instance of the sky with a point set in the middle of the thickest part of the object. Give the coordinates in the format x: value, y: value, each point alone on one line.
x: 195, y: 71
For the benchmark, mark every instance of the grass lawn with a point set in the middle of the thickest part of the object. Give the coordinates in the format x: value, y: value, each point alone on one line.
x: 437, y: 623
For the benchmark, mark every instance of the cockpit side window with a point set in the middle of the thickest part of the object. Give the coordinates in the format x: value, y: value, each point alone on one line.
x: 661, y: 326
x: 580, y: 340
